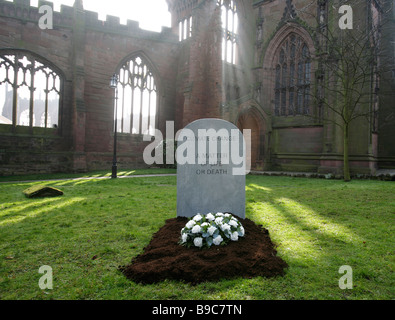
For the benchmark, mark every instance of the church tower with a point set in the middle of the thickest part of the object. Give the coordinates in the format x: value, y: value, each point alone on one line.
x: 199, y: 68
x: 213, y: 71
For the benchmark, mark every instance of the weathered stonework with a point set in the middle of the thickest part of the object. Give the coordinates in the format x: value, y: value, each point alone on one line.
x: 193, y: 83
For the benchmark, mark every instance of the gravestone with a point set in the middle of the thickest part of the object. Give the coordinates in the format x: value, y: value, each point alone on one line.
x: 211, y: 169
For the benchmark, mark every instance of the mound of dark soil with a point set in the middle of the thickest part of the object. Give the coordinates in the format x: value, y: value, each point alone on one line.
x: 251, y: 256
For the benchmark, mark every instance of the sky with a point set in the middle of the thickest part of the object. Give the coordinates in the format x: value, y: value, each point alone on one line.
x: 151, y: 14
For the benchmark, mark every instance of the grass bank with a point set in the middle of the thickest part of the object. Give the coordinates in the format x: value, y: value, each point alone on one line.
x: 100, y: 224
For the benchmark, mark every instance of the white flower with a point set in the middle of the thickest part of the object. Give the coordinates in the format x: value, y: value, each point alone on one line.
x: 211, y: 230
x: 234, y: 236
x: 198, y: 242
x: 196, y: 229
x: 190, y: 224
x: 225, y: 227
x: 233, y: 223
x: 219, y: 220
x: 217, y: 241
x: 198, y: 217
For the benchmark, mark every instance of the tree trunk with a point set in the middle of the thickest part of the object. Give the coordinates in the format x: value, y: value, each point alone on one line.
x: 346, y: 164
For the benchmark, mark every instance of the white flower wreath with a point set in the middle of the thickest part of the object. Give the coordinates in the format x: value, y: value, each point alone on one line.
x: 207, y: 230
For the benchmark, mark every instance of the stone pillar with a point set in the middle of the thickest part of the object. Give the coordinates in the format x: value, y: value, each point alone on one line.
x: 201, y: 90
x: 78, y: 103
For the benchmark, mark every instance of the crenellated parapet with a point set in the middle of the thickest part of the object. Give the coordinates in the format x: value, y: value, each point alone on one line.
x: 112, y: 24
x: 23, y: 11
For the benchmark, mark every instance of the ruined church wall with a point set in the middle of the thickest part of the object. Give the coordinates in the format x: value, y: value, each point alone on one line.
x: 87, y: 51
x: 37, y: 150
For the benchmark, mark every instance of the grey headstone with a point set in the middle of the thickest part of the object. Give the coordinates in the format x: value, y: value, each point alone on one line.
x: 205, y: 188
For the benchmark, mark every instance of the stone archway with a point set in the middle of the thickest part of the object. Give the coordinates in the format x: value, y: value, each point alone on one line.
x: 250, y: 117
x: 248, y: 121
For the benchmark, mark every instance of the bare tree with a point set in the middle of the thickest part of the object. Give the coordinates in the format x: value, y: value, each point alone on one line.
x: 348, y: 59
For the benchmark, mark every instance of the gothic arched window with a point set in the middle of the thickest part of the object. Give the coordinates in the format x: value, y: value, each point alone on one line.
x: 230, y: 25
x: 137, y: 98
x: 292, y: 77
x: 185, y: 28
x: 30, y: 90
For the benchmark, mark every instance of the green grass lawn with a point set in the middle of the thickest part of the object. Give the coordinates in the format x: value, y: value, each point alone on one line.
x: 94, y: 174
x: 98, y: 225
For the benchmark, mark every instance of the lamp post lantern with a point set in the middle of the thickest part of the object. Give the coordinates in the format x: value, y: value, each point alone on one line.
x: 114, y: 85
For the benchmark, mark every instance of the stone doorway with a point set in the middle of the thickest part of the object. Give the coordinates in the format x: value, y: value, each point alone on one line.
x: 249, y: 120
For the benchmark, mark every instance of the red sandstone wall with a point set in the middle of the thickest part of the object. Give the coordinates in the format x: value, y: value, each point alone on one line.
x: 23, y: 150
x: 87, y: 51
x: 192, y: 81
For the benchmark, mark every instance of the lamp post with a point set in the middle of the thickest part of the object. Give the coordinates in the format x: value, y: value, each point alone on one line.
x: 114, y: 85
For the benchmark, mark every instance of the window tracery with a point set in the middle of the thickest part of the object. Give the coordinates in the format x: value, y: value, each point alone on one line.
x: 230, y: 24
x: 137, y: 98
x: 292, y: 77
x: 30, y: 91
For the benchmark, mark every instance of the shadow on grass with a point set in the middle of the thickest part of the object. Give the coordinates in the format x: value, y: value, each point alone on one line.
x: 305, y: 232
x: 17, y: 212
x: 114, y: 219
